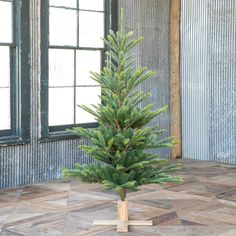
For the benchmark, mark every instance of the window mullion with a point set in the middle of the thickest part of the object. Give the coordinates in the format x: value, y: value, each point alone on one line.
x: 75, y: 73
x: 44, y: 67
x: 78, y: 12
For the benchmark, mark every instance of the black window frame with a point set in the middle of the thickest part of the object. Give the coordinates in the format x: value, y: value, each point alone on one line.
x: 19, y: 133
x: 60, y: 132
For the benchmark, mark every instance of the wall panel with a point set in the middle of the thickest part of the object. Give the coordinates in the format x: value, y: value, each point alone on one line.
x: 208, y: 77
x: 150, y: 18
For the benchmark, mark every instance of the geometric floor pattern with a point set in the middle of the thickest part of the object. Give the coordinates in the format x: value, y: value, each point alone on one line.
x: 204, y: 204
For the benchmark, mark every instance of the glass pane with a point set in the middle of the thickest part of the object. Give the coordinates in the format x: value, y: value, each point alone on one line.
x: 97, y: 5
x: 63, y: 27
x: 86, y: 96
x: 87, y: 61
x: 91, y: 29
x: 5, y: 108
x: 4, y: 66
x: 61, y: 67
x: 63, y: 3
x: 61, y: 106
x: 5, y: 22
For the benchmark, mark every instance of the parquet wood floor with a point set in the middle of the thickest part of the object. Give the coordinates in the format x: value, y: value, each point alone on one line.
x: 204, y: 204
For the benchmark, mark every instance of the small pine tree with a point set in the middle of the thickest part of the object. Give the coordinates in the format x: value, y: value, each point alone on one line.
x: 121, y: 141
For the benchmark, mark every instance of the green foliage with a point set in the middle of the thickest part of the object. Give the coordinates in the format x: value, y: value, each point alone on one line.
x: 121, y: 141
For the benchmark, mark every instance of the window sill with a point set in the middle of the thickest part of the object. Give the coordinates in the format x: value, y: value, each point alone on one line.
x: 58, y: 136
x: 13, y: 141
x: 59, y: 133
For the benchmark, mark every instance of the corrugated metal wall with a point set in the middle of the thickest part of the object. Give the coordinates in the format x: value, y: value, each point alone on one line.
x: 195, y: 79
x: 208, y: 77
x: 36, y: 161
x: 150, y: 18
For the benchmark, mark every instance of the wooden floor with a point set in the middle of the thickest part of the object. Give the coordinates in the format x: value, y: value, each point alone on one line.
x: 203, y: 205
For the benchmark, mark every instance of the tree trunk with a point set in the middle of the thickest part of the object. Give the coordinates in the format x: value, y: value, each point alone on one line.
x: 122, y: 194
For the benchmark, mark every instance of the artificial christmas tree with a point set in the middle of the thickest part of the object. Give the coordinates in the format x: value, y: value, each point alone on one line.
x: 120, y: 143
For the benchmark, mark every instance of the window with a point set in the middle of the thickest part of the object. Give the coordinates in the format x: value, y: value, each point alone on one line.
x: 14, y: 71
x: 71, y: 47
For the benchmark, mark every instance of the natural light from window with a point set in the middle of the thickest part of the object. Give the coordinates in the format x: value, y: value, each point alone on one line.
x: 5, y: 71
x: 75, y: 49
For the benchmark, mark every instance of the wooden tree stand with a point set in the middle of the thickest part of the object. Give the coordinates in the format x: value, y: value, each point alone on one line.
x: 122, y: 222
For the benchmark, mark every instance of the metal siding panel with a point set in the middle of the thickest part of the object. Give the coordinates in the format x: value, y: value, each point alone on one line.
x: 150, y: 18
x: 223, y: 80
x: 194, y: 79
x: 208, y: 36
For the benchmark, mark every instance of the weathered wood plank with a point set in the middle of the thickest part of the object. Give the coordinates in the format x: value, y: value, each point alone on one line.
x: 175, y: 103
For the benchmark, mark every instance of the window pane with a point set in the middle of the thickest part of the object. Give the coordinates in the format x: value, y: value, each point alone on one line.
x: 97, y: 5
x: 91, y: 29
x: 61, y: 67
x: 86, y: 96
x: 5, y: 22
x: 63, y: 3
x: 61, y: 106
x: 4, y: 66
x: 63, y: 27
x: 87, y: 61
x: 5, y: 108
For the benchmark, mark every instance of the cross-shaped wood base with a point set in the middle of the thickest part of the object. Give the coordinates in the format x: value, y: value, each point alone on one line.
x: 122, y: 222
